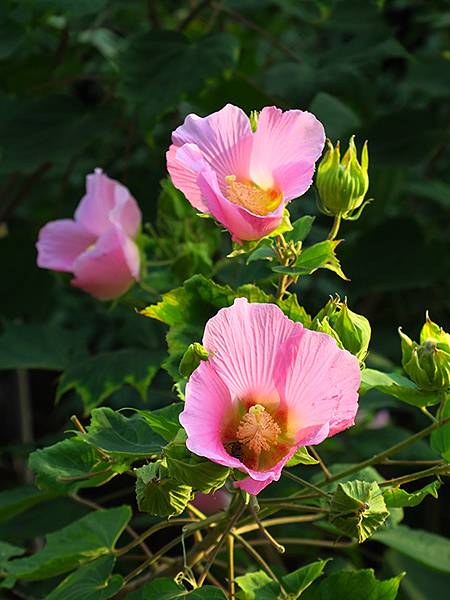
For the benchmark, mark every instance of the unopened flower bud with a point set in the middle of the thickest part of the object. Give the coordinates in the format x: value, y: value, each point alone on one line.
x: 350, y: 330
x: 192, y: 358
x: 427, y: 363
x: 343, y: 184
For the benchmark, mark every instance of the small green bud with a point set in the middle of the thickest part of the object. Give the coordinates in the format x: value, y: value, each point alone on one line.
x: 254, y: 115
x: 192, y: 358
x: 343, y: 184
x: 350, y: 330
x: 427, y: 363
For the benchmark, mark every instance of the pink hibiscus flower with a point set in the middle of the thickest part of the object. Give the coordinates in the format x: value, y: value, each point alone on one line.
x: 98, y: 245
x: 269, y: 387
x: 245, y: 179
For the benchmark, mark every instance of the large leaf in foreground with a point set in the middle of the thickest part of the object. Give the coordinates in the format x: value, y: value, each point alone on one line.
x: 159, y: 494
x: 84, y: 540
x: 396, y: 385
x: 165, y: 588
x: 90, y: 582
x: 97, y: 377
x: 127, y: 437
x: 354, y: 585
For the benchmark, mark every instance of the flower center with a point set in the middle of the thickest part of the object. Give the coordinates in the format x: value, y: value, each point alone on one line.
x: 250, y: 196
x: 258, y: 430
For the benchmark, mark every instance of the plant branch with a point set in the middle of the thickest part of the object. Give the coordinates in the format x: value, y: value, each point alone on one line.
x: 335, y: 228
x: 278, y: 547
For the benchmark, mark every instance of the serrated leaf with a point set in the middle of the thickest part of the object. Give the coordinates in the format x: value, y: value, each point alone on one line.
x: 158, y: 494
x: 319, y: 256
x: 302, y: 457
x: 84, y: 540
x: 165, y: 588
x: 164, y: 421
x: 398, y: 498
x: 127, y: 437
x: 97, y: 377
x: 427, y: 548
x: 91, y: 582
x: 201, y: 474
x: 187, y: 309
x: 68, y: 466
x: 395, y: 385
x: 35, y: 346
x: 157, y: 68
x: 259, y: 586
x: 358, y: 508
x: 354, y: 585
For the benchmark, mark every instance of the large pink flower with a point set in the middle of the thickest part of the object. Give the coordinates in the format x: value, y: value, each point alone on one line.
x: 269, y: 387
x: 244, y: 179
x: 98, y: 245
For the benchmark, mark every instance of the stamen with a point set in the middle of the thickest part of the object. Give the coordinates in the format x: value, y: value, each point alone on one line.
x: 250, y: 196
x: 257, y: 429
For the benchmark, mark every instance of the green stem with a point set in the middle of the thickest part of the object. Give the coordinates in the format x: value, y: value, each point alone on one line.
x: 278, y: 547
x: 307, y: 484
x: 439, y: 470
x: 143, y: 536
x: 334, y: 230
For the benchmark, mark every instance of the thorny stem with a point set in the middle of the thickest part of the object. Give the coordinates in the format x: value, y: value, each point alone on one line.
x: 335, y: 228
x: 281, y: 549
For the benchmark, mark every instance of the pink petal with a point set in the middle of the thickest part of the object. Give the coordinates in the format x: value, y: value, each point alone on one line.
x: 294, y: 179
x: 109, y: 269
x: 60, y: 243
x: 318, y: 383
x: 282, y: 140
x: 184, y: 163
x: 242, y: 224
x: 224, y: 138
x: 207, y: 402
x: 107, y: 201
x: 244, y: 340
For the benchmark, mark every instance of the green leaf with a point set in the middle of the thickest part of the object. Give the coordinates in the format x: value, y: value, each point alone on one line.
x: 97, y: 377
x: 68, y: 466
x: 262, y: 252
x: 164, y: 588
x: 164, y: 421
x: 187, y: 309
x: 358, y: 508
x: 121, y: 436
x: 440, y: 438
x: 91, y: 582
x: 15, y: 501
x: 159, y: 67
x: 84, y: 540
x: 158, y: 494
x: 259, y: 586
x: 7, y: 551
x: 398, y: 386
x: 427, y: 548
x: 318, y: 256
x: 398, y: 498
x: 201, y: 474
x: 302, y: 457
x: 300, y: 229
x: 37, y: 347
x: 354, y: 585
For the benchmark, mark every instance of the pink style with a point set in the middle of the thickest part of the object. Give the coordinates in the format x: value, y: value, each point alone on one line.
x: 97, y: 246
x: 242, y: 178
x: 269, y: 387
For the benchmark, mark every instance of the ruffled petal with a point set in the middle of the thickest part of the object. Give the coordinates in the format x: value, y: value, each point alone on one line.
x: 60, y: 243
x: 207, y: 402
x: 244, y: 340
x: 184, y: 164
x: 283, y: 140
x: 294, y: 179
x: 107, y: 201
x: 318, y: 383
x: 242, y: 224
x: 224, y: 138
x: 108, y: 269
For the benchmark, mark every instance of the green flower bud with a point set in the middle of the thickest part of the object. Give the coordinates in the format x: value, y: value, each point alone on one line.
x: 350, y: 330
x: 427, y: 363
x: 343, y: 184
x: 192, y: 358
